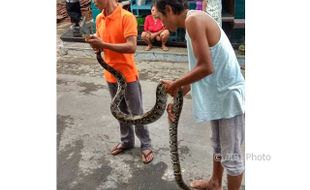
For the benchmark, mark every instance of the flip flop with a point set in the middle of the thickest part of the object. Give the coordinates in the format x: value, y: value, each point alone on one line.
x: 146, y: 155
x: 119, y: 148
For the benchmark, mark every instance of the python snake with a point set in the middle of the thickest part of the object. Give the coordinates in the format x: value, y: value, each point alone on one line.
x: 151, y: 116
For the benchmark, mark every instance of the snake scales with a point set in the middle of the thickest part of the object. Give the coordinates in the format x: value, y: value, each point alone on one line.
x: 151, y: 116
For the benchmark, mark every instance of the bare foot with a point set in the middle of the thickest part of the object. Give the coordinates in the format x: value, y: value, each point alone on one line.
x: 148, y: 48
x: 164, y: 48
x: 206, y: 184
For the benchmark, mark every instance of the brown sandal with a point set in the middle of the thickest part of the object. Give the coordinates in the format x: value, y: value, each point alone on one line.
x: 119, y: 148
x: 146, y: 155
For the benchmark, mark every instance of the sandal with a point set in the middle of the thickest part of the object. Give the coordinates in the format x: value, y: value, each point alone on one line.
x: 145, y: 155
x: 119, y: 148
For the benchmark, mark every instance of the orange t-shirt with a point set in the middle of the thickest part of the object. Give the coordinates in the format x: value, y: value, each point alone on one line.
x: 115, y: 28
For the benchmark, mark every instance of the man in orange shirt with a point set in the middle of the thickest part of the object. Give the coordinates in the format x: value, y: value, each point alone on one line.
x: 117, y: 37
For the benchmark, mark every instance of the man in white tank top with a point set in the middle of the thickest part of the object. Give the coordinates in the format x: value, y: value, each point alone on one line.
x: 216, y: 85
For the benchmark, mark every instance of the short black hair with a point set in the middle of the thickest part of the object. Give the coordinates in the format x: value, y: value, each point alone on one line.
x: 177, y: 5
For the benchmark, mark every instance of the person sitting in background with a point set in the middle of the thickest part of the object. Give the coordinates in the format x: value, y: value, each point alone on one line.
x: 154, y: 29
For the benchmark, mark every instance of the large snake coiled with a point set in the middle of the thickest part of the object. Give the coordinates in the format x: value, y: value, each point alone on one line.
x: 154, y: 114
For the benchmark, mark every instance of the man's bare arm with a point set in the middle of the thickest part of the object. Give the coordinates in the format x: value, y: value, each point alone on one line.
x: 129, y: 46
x: 201, y: 50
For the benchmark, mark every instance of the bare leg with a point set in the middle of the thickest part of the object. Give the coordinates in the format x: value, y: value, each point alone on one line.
x: 158, y: 38
x: 215, y: 182
x: 146, y: 37
x: 164, y: 38
x: 234, y: 182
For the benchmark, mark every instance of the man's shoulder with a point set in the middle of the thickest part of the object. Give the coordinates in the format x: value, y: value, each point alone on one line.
x: 100, y: 15
x: 99, y: 18
x: 197, y: 19
x: 126, y: 13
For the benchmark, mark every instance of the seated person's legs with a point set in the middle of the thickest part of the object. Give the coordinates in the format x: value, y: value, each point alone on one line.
x: 164, y: 36
x: 146, y: 37
x: 158, y: 38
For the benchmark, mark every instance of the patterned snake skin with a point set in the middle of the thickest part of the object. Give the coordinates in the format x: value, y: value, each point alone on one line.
x: 149, y: 117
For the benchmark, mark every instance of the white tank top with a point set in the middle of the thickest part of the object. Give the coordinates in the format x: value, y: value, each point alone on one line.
x: 221, y: 94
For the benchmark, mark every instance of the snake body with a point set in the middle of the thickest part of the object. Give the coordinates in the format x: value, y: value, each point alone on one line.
x: 151, y: 116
